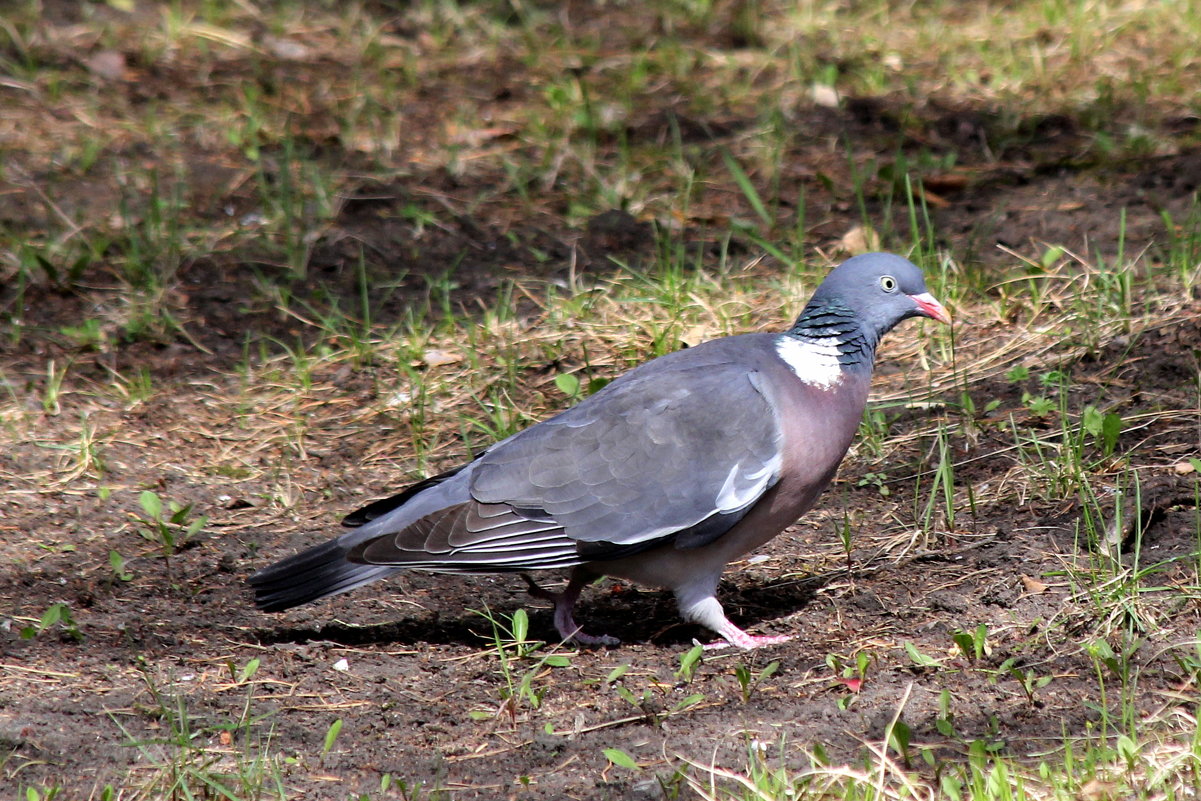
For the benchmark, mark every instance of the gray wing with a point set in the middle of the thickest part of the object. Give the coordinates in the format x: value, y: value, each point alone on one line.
x: 685, y: 449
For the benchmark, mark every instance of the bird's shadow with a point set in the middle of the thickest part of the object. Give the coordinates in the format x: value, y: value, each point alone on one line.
x: 644, y: 617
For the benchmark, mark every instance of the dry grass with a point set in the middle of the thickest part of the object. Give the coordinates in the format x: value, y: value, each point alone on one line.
x: 276, y: 260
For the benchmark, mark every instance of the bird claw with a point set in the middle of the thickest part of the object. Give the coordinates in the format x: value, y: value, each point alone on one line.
x: 593, y: 640
x: 747, y: 642
x: 568, y: 629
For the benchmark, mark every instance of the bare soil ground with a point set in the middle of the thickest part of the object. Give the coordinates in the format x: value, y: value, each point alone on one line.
x: 417, y: 661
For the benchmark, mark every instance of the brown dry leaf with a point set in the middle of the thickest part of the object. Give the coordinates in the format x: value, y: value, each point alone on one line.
x: 1033, y: 585
x: 946, y: 182
x: 694, y: 335
x: 475, y: 137
x: 438, y: 358
x: 108, y: 64
x: 287, y: 49
x: 226, y: 36
x: 935, y: 200
x: 825, y: 96
x: 1097, y: 790
x: 860, y: 239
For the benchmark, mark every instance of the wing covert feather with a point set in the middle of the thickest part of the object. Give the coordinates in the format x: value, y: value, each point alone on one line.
x: 645, y: 457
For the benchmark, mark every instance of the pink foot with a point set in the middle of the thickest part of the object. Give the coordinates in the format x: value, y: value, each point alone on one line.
x: 747, y: 642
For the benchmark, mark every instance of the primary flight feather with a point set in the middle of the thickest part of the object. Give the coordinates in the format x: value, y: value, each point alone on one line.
x: 663, y: 477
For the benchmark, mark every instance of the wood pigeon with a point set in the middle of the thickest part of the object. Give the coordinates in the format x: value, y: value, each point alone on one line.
x: 662, y: 477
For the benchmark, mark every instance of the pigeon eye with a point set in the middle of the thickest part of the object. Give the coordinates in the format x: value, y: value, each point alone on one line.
x: 888, y: 283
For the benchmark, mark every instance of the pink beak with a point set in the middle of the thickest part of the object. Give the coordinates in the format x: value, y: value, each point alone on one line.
x: 929, y: 307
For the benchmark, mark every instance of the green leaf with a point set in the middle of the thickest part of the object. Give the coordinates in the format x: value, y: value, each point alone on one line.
x: 965, y: 643
x: 900, y: 737
x: 557, y: 660
x: 1050, y: 256
x: 620, y: 758
x: 1127, y: 747
x: 920, y: 659
x: 117, y: 562
x: 748, y: 188
x: 1040, y: 406
x: 568, y: 384
x: 331, y: 735
x: 969, y: 405
x: 47, y: 266
x: 249, y: 670
x: 743, y: 674
x: 616, y: 673
x: 1111, y: 429
x: 53, y: 614
x: 688, y: 662
x: 521, y: 625
x: 151, y: 504
x: 1018, y: 373
x: 180, y: 513
x: 952, y: 787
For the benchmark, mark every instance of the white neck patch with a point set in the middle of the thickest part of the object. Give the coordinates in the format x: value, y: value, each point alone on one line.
x: 814, y: 363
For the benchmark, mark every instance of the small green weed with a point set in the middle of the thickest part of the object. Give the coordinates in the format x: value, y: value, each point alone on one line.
x: 515, y: 652
x: 57, y: 616
x: 748, y: 679
x: 168, y: 528
x: 690, y: 660
x: 191, y: 757
x: 117, y: 562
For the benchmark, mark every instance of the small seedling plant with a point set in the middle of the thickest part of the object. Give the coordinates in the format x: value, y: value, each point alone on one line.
x: 512, y: 646
x: 168, y: 527
x: 56, y: 615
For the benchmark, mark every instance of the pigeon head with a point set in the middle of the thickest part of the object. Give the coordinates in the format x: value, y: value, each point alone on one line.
x: 862, y: 299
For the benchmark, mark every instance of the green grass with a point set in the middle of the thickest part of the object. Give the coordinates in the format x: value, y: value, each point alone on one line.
x: 195, y: 758
x: 549, y: 123
x: 1131, y: 755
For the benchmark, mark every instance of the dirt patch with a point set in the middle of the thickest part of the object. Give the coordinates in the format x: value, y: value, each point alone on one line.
x: 417, y: 660
x: 407, y: 666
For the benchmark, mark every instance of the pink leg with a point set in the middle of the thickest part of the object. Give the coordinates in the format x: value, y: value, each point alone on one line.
x: 708, y: 612
x: 732, y: 635
x: 564, y: 602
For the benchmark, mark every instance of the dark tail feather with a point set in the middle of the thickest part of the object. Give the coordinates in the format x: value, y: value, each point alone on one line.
x: 310, y: 575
